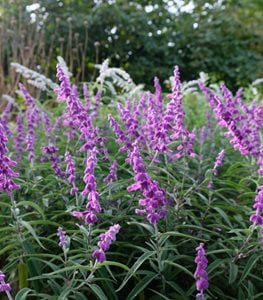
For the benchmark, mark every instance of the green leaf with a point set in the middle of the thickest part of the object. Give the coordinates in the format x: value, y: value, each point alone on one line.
x: 146, y: 226
x: 250, y: 264
x: 34, y: 205
x: 32, y: 231
x: 179, y: 267
x: 223, y: 215
x: 233, y: 271
x: 65, y: 292
x: 21, y: 295
x: 7, y: 248
x: 114, y: 263
x: 135, y: 267
x: 63, y: 270
x: 161, y: 295
x: 175, y: 233
x: 141, y: 285
x: 98, y: 292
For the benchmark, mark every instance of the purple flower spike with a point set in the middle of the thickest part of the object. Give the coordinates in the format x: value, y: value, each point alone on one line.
x: 93, y: 206
x: 47, y: 125
x: 200, y: 272
x: 4, y: 287
x: 256, y: 218
x: 5, y: 117
x: 63, y: 242
x: 218, y: 162
x: 96, y: 107
x: 70, y: 172
x: 105, y: 241
x: 6, y: 173
x: 64, y: 91
x: 154, y: 201
x: 86, y: 95
x: 112, y: 176
x: 51, y: 151
x: 76, y: 116
x: 33, y: 118
x: 19, y: 137
x: 120, y: 134
x: 243, y: 122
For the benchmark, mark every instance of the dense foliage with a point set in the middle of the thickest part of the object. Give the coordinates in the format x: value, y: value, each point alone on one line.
x: 145, y: 165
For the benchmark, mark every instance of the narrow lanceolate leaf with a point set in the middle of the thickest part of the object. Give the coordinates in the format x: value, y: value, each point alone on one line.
x: 250, y: 264
x: 135, y: 267
x: 98, y: 292
x: 65, y: 293
x: 182, y: 268
x: 141, y: 285
x: 233, y: 271
x: 175, y: 233
x: 34, y: 205
x: 146, y: 226
x: 22, y: 294
x: 32, y: 231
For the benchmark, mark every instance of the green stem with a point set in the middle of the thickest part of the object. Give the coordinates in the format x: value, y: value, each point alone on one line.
x: 239, y: 254
x: 16, y: 217
x: 89, y: 278
x: 9, y: 295
x: 21, y: 266
x: 158, y: 255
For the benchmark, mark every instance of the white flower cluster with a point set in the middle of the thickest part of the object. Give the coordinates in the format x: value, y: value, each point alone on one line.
x: 192, y: 86
x: 34, y: 78
x: 257, y: 81
x: 64, y: 66
x: 118, y: 77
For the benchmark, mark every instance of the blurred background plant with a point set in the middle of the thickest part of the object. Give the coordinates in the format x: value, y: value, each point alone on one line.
x: 147, y: 38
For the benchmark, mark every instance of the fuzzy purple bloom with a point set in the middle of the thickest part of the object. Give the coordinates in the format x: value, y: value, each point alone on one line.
x: 165, y: 127
x: 96, y: 107
x: 177, y: 113
x: 257, y: 218
x: 218, y: 162
x: 86, y: 95
x: 30, y: 138
x: 64, y: 91
x: 33, y: 119
x: 47, y: 126
x: 5, y: 117
x: 6, y: 173
x: 76, y: 117
x: 4, y: 287
x: 93, y: 206
x: 105, y: 241
x: 32, y: 108
x: 243, y: 123
x: 200, y: 274
x: 112, y: 176
x: 19, y: 138
x: 154, y: 201
x: 203, y: 134
x: 70, y: 172
x: 121, y: 136
x: 52, y: 151
x: 130, y: 123
x: 210, y: 185
x: 63, y: 243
